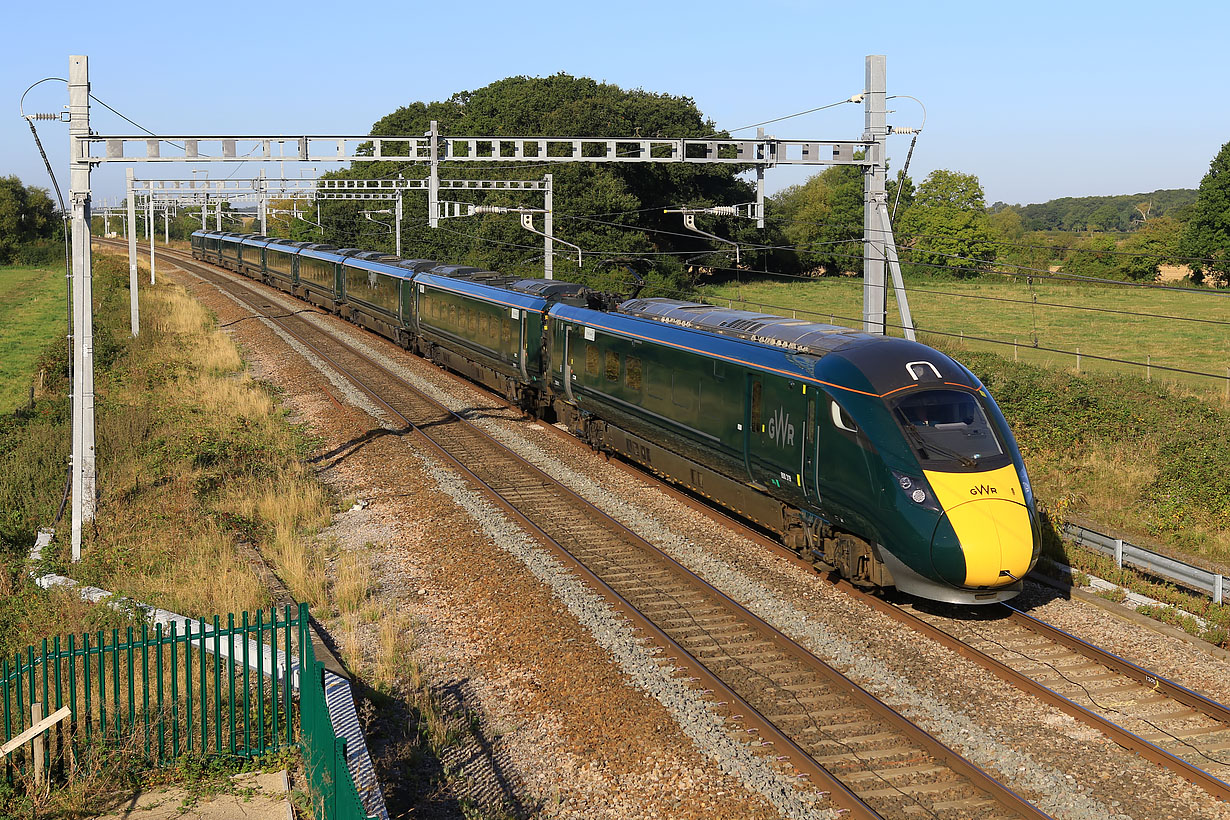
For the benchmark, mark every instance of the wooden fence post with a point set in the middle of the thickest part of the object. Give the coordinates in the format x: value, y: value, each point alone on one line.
x: 40, y: 752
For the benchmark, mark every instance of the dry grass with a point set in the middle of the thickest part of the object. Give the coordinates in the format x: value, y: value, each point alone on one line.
x: 198, y: 456
x: 207, y: 553
x: 395, y: 643
x: 352, y: 582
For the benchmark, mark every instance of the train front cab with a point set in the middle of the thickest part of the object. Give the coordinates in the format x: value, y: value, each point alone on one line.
x: 967, y: 524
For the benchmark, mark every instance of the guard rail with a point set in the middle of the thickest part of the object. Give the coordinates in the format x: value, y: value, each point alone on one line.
x: 1194, y: 578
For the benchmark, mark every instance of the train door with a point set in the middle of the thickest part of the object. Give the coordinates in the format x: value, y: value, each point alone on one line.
x: 811, y: 447
x: 752, y: 409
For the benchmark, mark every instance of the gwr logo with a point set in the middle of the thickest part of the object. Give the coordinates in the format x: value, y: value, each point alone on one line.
x: 780, y: 428
x: 983, y: 489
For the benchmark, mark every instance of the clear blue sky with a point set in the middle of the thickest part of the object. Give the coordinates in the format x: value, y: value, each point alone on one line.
x: 1039, y: 100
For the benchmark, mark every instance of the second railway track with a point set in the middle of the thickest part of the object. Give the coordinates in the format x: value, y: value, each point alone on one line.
x: 873, y: 761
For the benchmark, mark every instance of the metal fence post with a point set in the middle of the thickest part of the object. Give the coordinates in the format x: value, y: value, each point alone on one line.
x: 1119, y: 553
x: 1217, y: 588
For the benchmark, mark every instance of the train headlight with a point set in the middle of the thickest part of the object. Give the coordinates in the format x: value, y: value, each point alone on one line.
x: 916, y: 490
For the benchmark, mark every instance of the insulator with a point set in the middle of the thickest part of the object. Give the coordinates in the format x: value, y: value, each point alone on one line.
x: 723, y: 210
x: 44, y: 117
x: 489, y: 209
x: 905, y: 130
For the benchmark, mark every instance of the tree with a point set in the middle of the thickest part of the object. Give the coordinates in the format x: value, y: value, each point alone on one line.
x: 1105, y: 218
x: 615, y: 210
x: 1207, y: 235
x: 823, y: 219
x: 947, y: 226
x: 27, y: 215
x: 1156, y: 243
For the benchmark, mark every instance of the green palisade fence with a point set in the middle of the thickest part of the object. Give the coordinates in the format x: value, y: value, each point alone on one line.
x: 324, y: 753
x: 194, y: 689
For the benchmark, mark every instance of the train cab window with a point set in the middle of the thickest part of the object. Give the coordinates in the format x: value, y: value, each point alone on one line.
x: 632, y: 373
x: 950, y: 427
x: 591, y: 359
x: 612, y: 366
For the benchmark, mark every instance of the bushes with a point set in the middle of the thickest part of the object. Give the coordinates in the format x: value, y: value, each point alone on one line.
x: 1173, y: 449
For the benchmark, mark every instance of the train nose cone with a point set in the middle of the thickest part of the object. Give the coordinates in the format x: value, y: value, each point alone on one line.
x: 983, y: 543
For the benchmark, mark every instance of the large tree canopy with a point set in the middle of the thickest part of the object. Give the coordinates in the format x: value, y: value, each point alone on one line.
x: 1207, y: 235
x: 947, y: 225
x: 612, y: 210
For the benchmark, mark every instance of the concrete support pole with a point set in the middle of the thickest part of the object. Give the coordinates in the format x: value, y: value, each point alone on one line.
x: 760, y: 185
x: 84, y: 474
x: 262, y: 203
x: 875, y: 295
x: 134, y: 309
x: 433, y: 181
x: 548, y: 241
x: 218, y: 215
x: 205, y: 212
x: 166, y: 225
x: 150, y: 235
x: 397, y: 213
x: 894, y: 267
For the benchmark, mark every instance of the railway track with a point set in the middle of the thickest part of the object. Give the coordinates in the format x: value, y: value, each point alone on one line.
x: 1160, y: 720
x: 872, y: 761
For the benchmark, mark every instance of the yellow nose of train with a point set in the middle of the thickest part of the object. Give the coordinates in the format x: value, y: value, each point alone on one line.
x: 985, y: 537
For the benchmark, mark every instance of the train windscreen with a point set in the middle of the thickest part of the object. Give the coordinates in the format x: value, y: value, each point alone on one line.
x: 950, y: 429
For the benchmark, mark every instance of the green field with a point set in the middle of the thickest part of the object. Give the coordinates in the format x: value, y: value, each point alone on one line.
x: 32, y: 314
x: 1005, y: 310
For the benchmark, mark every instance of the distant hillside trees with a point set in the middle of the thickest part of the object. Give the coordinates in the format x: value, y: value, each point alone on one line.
x: 1206, y: 237
x: 28, y: 223
x: 1100, y: 213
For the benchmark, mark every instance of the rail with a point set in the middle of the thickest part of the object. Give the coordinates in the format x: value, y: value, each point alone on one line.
x: 1195, y: 578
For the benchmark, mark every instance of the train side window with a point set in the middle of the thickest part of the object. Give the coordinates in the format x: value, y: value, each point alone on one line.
x: 632, y: 373
x: 757, y: 389
x: 612, y: 366
x: 452, y: 315
x: 591, y: 359
x: 719, y: 371
x: 841, y: 419
x: 506, y: 331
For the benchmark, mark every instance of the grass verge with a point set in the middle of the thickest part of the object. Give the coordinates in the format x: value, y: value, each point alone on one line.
x: 32, y: 315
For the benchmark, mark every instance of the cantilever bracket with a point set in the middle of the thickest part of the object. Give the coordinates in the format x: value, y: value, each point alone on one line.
x: 689, y: 222
x: 527, y: 222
